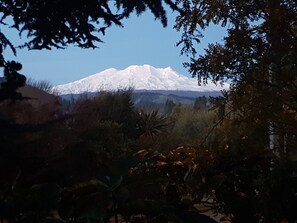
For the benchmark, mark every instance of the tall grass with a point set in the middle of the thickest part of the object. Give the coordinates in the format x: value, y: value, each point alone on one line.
x: 42, y: 85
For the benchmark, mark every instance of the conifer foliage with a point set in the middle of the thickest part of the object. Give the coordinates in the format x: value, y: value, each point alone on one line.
x: 59, y: 23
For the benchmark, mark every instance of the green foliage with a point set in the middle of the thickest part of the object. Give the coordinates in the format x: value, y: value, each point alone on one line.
x: 191, y: 125
x: 200, y: 103
x: 79, y: 167
x: 151, y: 124
x: 168, y: 107
x: 107, y: 108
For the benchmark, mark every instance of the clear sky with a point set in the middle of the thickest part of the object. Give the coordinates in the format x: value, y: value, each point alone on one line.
x: 143, y: 40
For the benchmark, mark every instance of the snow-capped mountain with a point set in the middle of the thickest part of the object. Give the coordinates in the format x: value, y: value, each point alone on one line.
x: 144, y: 77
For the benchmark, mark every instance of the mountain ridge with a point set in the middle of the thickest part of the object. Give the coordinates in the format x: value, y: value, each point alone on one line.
x: 138, y: 77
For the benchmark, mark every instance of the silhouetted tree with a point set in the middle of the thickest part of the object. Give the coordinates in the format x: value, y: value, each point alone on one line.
x: 200, y: 103
x: 168, y: 107
x: 259, y: 56
x: 13, y: 80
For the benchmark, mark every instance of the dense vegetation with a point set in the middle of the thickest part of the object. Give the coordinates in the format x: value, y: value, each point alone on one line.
x: 101, y: 160
x: 95, y: 160
x: 257, y: 136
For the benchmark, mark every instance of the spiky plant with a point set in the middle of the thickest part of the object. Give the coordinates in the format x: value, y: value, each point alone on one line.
x: 152, y: 123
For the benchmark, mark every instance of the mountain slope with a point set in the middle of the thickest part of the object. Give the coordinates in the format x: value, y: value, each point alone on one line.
x: 143, y: 77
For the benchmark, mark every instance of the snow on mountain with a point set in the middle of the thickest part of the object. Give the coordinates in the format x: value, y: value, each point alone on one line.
x: 144, y: 77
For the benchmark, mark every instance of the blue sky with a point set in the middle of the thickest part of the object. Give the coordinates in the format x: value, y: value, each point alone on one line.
x: 143, y: 40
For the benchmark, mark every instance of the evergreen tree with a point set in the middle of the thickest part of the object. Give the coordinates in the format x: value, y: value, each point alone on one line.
x: 168, y: 107
x: 200, y: 103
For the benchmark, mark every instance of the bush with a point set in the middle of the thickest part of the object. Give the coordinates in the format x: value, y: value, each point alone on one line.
x: 191, y: 126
